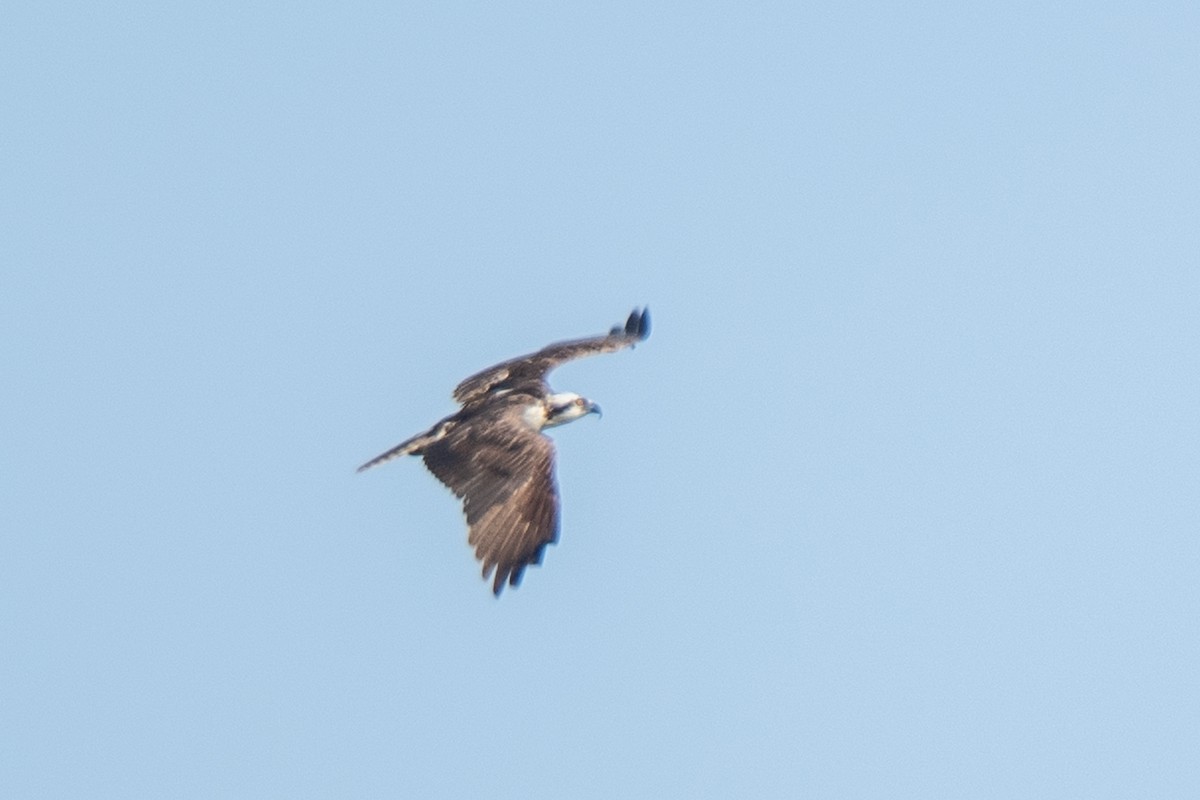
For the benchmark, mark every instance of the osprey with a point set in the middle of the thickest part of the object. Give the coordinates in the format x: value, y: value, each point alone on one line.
x: 493, y: 455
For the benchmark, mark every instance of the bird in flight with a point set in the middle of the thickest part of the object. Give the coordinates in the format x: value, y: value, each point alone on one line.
x: 493, y: 455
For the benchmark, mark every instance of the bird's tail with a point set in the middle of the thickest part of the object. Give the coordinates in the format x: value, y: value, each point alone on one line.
x: 408, y: 447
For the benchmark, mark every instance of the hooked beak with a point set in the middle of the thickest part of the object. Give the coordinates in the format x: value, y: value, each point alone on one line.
x: 594, y: 408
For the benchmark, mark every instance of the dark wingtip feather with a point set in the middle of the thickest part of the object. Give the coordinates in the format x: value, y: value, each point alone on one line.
x: 509, y: 575
x: 638, y: 324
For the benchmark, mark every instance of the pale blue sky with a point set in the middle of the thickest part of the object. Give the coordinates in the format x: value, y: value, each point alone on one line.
x: 899, y: 500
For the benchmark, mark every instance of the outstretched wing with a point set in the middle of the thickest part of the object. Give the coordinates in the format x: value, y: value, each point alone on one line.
x: 531, y: 369
x: 504, y: 473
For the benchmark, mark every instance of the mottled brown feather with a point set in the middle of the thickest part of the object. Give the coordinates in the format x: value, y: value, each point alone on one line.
x: 528, y: 372
x: 503, y: 471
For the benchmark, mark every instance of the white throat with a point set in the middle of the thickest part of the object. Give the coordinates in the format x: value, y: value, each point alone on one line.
x: 558, y: 409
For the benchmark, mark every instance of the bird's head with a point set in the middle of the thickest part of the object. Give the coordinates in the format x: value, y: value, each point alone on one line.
x: 567, y: 407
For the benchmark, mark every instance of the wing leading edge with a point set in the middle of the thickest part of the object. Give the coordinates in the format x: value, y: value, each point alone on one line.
x: 530, y: 370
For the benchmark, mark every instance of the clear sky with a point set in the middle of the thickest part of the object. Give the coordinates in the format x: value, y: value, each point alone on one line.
x: 900, y: 499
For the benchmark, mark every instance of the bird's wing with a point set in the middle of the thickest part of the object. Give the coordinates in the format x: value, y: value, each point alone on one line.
x: 532, y: 368
x: 504, y: 473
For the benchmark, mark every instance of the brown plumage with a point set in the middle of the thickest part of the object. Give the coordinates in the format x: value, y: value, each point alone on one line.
x: 529, y: 371
x: 494, y: 457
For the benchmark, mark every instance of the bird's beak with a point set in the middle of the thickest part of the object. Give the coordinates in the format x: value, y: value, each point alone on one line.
x: 593, y: 408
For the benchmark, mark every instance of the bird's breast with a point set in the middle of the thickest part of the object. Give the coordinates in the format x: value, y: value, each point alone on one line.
x: 534, y: 415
